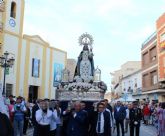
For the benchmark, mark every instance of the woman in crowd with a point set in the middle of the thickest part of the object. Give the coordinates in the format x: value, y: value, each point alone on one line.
x: 161, y: 119
x: 155, y: 119
x: 146, y: 113
x: 11, y: 115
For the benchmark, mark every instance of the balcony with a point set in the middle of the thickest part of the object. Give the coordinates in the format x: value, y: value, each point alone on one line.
x: 1, y: 27
x: 2, y: 6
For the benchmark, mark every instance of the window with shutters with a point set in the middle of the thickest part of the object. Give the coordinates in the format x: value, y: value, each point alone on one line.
x: 153, y: 53
x: 154, y: 78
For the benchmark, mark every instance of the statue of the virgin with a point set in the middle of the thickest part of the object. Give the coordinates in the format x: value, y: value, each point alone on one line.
x: 85, y: 65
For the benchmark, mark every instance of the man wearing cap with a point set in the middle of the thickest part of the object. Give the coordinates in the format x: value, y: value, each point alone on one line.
x: 135, y: 118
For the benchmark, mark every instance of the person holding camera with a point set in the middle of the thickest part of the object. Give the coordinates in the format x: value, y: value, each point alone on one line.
x: 135, y: 116
x: 19, y: 111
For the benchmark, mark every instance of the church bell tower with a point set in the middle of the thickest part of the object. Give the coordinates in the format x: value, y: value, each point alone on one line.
x: 14, y: 15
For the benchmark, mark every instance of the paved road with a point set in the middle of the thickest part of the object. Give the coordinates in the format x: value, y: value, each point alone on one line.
x: 144, y: 131
x: 30, y: 132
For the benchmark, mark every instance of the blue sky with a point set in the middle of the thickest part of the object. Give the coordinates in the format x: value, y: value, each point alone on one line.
x: 119, y: 27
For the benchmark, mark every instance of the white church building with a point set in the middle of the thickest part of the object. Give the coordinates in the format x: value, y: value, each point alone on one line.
x: 36, y: 62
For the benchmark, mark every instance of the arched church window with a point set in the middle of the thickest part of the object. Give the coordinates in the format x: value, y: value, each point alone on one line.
x: 13, y: 10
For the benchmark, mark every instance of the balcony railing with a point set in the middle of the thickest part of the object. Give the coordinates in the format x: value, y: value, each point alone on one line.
x: 1, y: 27
x: 149, y: 39
x: 2, y: 6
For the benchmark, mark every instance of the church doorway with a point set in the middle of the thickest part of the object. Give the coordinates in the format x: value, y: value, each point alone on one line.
x: 33, y: 93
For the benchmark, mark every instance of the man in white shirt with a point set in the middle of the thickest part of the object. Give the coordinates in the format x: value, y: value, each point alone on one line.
x: 44, y: 117
x: 127, y: 120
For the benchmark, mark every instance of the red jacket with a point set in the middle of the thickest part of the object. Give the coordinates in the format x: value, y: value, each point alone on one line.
x: 146, y: 111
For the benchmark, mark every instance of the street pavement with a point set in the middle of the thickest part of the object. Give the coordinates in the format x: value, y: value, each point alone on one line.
x: 144, y: 131
x: 30, y: 132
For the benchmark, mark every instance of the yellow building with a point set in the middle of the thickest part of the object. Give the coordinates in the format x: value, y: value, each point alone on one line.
x: 37, y: 65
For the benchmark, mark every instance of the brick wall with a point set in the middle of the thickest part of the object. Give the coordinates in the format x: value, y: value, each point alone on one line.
x: 149, y: 65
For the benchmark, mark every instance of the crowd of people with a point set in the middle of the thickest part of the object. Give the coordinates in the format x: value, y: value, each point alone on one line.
x: 154, y: 114
x: 50, y: 118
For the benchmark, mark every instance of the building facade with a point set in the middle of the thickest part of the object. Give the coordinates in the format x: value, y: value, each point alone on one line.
x: 36, y: 63
x: 116, y: 83
x: 132, y: 84
x: 153, y: 60
x: 160, y: 25
x: 108, y: 96
x: 150, y: 68
x: 126, y: 70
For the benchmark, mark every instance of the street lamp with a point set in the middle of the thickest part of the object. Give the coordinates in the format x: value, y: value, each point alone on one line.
x: 5, y: 63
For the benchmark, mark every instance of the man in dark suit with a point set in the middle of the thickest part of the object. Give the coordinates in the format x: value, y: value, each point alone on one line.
x: 108, y: 106
x: 109, y: 109
x: 35, y: 124
x: 135, y: 116
x: 85, y: 110
x: 103, y: 121
x: 77, y: 121
x: 93, y: 120
x: 119, y: 115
